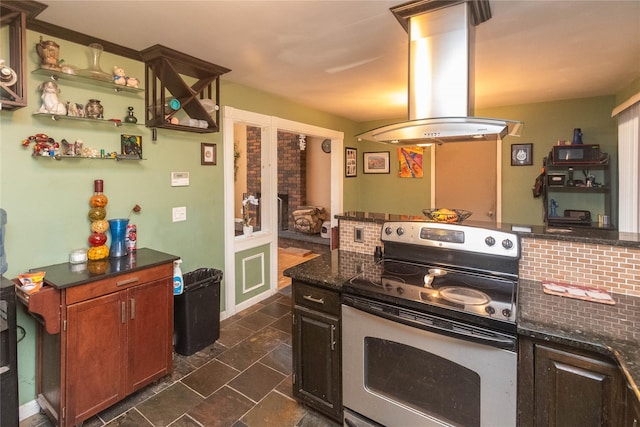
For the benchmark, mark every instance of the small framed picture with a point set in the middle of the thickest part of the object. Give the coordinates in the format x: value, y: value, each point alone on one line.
x: 521, y: 154
x: 131, y: 145
x: 208, y: 154
x: 377, y: 162
x: 350, y: 162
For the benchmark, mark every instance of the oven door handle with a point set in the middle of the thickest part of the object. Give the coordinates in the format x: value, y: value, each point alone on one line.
x: 432, y: 324
x: 502, y: 342
x: 467, y: 334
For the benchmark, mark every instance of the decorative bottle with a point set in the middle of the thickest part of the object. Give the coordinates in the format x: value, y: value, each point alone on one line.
x: 98, y: 239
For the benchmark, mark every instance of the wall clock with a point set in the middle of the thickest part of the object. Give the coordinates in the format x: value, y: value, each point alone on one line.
x: 326, y: 145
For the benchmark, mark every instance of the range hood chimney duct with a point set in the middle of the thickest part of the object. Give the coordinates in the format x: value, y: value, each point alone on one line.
x: 441, y: 76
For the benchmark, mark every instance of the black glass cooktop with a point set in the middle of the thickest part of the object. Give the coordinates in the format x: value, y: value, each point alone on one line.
x: 426, y: 287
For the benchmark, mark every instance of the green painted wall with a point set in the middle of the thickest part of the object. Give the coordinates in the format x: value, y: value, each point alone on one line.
x: 545, y: 123
x: 47, y: 200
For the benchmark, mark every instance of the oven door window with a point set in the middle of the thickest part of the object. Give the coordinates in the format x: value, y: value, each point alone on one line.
x: 423, y: 381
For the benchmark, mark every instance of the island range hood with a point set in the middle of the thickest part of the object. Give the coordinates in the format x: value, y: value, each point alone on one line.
x: 441, y: 49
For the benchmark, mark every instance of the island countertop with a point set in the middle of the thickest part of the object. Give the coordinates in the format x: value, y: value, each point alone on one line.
x: 65, y: 275
x: 611, y: 330
x: 597, y: 236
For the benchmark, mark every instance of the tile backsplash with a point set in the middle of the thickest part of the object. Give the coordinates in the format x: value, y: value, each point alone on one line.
x: 614, y: 268
x: 370, y: 236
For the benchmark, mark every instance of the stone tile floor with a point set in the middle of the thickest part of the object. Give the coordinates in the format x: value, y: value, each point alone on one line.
x: 242, y: 380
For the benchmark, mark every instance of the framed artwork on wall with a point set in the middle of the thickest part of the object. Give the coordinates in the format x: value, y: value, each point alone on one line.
x: 208, y: 154
x: 131, y: 145
x: 376, y: 162
x: 350, y: 162
x: 521, y: 154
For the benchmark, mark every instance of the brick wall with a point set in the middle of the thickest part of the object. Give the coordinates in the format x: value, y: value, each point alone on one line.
x: 292, y: 173
x: 254, y: 169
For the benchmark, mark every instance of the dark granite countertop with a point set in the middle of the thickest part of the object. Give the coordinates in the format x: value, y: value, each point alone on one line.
x: 611, y: 330
x: 330, y: 270
x: 65, y: 275
x: 597, y: 236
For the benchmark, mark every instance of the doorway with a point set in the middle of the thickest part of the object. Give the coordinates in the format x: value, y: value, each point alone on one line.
x: 251, y: 260
x: 468, y: 177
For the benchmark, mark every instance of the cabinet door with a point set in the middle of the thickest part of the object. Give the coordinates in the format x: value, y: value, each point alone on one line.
x: 316, y: 361
x: 575, y: 390
x: 95, y: 356
x: 150, y: 332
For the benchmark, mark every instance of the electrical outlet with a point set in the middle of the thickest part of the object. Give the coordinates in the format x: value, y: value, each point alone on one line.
x: 179, y: 214
x: 358, y: 235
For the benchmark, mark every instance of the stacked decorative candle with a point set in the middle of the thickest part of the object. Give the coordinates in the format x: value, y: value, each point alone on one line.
x: 97, y: 214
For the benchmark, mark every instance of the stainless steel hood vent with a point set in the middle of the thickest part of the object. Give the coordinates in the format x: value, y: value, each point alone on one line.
x: 441, y: 40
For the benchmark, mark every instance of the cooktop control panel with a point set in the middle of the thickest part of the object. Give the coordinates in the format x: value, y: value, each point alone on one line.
x: 452, y: 236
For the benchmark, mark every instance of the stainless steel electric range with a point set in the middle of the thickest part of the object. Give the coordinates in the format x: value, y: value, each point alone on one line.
x: 429, y: 331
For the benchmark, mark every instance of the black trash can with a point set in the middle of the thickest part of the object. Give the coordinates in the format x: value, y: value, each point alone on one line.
x: 196, y: 319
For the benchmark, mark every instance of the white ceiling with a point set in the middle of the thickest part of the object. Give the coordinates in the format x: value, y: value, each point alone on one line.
x: 349, y: 57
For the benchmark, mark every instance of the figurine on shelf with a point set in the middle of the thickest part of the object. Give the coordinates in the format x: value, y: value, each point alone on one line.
x: 75, y: 109
x: 50, y: 102
x: 130, y: 117
x: 553, y: 208
x: 71, y: 149
x: 49, y: 52
x: 133, y: 82
x: 119, y: 77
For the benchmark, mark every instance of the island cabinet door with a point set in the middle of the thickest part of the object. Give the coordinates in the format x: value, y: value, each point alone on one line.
x: 576, y: 390
x: 150, y: 332
x: 316, y: 361
x: 95, y: 356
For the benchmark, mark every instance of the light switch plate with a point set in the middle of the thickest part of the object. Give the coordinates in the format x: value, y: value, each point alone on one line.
x: 179, y: 214
x: 179, y: 179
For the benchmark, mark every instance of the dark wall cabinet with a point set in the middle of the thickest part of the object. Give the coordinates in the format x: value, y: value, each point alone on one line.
x: 564, y: 387
x: 101, y: 341
x: 317, y: 357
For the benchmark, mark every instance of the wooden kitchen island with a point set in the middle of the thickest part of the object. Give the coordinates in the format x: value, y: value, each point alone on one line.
x: 105, y: 329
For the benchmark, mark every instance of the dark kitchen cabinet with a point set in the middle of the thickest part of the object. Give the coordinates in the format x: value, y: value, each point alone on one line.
x: 317, y: 357
x: 100, y: 341
x: 565, y: 387
x: 632, y: 414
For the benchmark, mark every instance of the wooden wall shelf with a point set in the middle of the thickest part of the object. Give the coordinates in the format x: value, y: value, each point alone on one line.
x: 165, y: 73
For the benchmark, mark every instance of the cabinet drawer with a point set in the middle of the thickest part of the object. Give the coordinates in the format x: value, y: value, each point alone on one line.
x: 113, y: 284
x: 316, y: 298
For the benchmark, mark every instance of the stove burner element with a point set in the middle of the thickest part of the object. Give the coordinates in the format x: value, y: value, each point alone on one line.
x: 466, y: 296
x: 400, y: 269
x: 433, y: 273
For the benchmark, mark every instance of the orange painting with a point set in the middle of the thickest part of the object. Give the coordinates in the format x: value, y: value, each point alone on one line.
x: 410, y: 159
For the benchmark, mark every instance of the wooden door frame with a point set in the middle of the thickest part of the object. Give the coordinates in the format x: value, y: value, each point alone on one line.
x: 269, y: 233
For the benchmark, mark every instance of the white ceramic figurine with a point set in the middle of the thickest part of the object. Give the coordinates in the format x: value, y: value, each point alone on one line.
x: 50, y: 102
